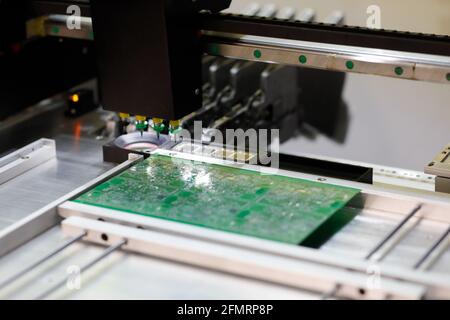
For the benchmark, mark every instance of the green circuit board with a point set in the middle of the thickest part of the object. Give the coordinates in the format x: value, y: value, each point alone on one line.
x: 221, y: 197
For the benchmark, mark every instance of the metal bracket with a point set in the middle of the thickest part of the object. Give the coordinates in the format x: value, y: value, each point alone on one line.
x: 440, y: 167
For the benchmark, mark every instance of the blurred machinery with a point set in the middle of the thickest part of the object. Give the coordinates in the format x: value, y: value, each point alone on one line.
x: 161, y: 67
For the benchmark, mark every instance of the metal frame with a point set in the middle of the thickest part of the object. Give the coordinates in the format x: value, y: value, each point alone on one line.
x: 26, y: 158
x: 236, y: 260
x: 287, y: 265
x: 47, y: 217
x: 309, y: 269
x: 116, y: 224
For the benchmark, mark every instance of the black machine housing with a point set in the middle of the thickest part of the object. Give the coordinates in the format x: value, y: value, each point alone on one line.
x: 147, y: 41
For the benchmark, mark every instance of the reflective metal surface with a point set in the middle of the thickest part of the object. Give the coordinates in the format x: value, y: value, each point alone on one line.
x: 402, y: 65
x: 129, y: 276
x: 78, y: 161
x: 122, y: 274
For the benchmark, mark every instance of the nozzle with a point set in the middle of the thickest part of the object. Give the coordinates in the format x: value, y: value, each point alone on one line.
x: 158, y: 126
x: 124, y: 116
x: 141, y: 124
x: 174, y: 128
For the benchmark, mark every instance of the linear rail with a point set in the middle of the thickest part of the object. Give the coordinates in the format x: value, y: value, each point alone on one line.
x: 327, y: 33
x: 401, y: 55
x: 401, y: 65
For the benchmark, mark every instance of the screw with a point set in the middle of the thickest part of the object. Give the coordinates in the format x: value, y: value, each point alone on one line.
x: 399, y: 71
x: 302, y: 59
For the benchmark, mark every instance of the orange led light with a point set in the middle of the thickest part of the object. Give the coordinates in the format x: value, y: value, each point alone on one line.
x: 75, y: 98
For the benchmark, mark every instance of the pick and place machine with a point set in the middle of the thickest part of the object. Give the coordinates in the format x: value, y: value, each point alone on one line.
x: 179, y: 217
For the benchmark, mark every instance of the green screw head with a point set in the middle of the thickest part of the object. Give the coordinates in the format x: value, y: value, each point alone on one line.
x: 302, y: 59
x: 55, y: 30
x: 448, y: 76
x: 350, y: 65
x: 257, y: 54
x: 398, y: 71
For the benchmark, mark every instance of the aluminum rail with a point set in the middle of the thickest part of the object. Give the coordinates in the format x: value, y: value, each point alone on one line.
x: 47, y: 217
